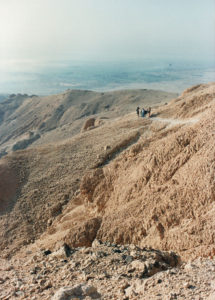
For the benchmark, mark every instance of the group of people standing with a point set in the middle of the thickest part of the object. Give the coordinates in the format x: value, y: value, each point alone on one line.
x: 143, y: 112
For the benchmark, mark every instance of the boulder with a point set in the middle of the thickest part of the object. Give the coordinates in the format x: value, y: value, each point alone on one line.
x: 80, y: 291
x: 89, y: 124
x: 83, y: 234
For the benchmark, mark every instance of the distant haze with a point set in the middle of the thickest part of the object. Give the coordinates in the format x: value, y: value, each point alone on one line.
x: 47, y: 46
x: 35, y: 31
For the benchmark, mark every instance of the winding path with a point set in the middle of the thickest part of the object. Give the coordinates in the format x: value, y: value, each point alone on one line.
x: 175, y: 121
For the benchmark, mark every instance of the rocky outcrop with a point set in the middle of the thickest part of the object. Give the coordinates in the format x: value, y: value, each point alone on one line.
x: 81, y: 291
x: 89, y: 124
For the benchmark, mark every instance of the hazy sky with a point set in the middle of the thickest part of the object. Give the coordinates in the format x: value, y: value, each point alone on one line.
x: 43, y: 30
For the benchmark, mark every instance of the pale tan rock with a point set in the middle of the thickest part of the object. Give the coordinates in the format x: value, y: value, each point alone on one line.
x: 96, y: 243
x: 130, y: 292
x: 107, y: 147
x: 79, y: 291
x: 59, y: 254
x: 99, y: 122
x: 140, y: 265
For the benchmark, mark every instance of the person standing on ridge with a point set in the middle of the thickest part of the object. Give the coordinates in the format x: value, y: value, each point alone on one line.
x: 143, y: 112
x: 138, y: 111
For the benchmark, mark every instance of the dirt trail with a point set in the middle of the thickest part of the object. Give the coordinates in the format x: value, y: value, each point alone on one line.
x: 173, y: 122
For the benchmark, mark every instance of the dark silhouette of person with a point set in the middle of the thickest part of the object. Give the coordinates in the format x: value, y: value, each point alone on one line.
x: 143, y: 112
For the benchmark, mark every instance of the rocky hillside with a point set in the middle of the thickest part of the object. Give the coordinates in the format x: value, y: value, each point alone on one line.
x: 153, y: 177
x: 159, y: 192
x: 29, y: 120
x: 47, y: 177
x: 118, y: 179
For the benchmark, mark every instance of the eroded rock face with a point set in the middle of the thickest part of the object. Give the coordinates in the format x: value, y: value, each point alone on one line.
x: 155, y: 194
x: 90, y: 182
